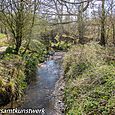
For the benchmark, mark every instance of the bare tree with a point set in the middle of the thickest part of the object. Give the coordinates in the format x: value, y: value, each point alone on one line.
x: 18, y: 17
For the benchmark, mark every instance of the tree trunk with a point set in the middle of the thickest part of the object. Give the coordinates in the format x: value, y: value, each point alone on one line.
x: 103, y: 32
x: 19, y: 27
x: 18, y: 44
x: 81, y: 25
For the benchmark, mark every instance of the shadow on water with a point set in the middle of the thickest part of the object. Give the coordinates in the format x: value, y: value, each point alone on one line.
x: 39, y: 94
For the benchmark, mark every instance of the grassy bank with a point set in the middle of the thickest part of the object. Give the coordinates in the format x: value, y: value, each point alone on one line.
x: 11, y: 78
x: 17, y: 71
x: 90, y: 80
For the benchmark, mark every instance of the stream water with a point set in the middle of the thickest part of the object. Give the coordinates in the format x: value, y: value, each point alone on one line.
x: 39, y: 94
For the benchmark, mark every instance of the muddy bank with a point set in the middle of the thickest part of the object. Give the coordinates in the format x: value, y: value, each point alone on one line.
x: 59, y: 96
x: 59, y: 91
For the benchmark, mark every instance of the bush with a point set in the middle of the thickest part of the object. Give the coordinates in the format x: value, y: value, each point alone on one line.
x: 33, y: 56
x: 61, y: 45
x: 90, y: 81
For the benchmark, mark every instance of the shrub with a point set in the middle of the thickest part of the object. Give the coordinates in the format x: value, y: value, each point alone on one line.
x: 33, y: 56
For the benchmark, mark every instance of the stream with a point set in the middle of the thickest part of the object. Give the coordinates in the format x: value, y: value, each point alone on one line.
x: 39, y: 94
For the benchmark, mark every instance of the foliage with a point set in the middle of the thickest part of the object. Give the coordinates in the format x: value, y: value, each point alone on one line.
x: 90, y: 81
x: 61, y: 45
x: 32, y: 57
x: 54, y: 39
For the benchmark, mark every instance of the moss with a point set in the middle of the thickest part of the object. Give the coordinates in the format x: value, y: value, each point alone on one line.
x: 12, y: 77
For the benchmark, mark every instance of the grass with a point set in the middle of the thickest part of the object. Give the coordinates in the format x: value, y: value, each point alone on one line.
x: 12, y: 78
x: 90, y: 81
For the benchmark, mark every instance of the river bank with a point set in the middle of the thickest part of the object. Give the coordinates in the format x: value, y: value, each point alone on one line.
x: 43, y: 91
x: 59, y: 95
x: 59, y: 91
